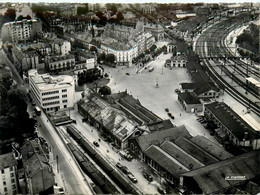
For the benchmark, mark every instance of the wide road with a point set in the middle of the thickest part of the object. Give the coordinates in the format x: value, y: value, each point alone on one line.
x: 210, y: 44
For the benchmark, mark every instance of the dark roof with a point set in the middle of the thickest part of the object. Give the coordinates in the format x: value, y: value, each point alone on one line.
x: 161, y: 125
x: 7, y: 160
x: 196, y: 72
x: 211, y: 147
x: 199, y: 87
x: 158, y: 137
x: 35, y: 162
x: 232, y: 121
x: 189, y: 98
x: 212, y: 179
x: 181, y: 155
x: 166, y: 161
x: 196, y: 151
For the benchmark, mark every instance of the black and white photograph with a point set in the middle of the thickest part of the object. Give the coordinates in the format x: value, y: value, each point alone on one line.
x: 129, y: 97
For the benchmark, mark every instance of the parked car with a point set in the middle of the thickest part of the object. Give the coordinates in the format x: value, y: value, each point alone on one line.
x: 96, y: 144
x: 161, y: 190
x: 167, y: 109
x: 177, y: 91
x: 132, y: 177
x: 118, y: 165
x: 127, y: 73
x: 147, y: 176
x: 171, y: 115
x: 125, y: 170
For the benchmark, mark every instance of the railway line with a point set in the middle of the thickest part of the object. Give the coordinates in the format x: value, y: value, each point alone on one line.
x: 216, y: 60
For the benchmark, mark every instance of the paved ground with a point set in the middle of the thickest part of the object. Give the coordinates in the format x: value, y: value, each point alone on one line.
x: 142, y: 87
x: 134, y: 166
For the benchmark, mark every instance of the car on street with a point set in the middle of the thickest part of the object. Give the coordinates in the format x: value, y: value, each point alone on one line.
x: 148, y: 176
x: 171, y: 115
x: 177, y: 91
x: 125, y: 170
x: 118, y: 165
x: 127, y: 73
x: 132, y: 177
x: 161, y: 190
x: 166, y: 109
x: 96, y: 144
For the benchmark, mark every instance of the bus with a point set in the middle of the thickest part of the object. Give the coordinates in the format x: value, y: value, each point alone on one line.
x: 37, y: 111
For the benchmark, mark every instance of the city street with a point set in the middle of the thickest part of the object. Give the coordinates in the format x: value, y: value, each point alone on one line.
x: 134, y: 166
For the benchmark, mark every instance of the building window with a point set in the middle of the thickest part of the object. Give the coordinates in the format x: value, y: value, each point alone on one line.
x: 13, y: 187
x: 64, y: 101
x: 2, y: 171
x: 12, y: 181
x: 5, y: 189
x: 12, y: 174
x: 4, y: 183
x: 64, y: 96
x: 64, y: 90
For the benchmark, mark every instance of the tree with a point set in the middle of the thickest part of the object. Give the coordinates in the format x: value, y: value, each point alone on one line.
x: 153, y: 48
x: 93, y: 48
x: 105, y: 90
x: 9, y: 15
x: 111, y: 58
x: 119, y: 16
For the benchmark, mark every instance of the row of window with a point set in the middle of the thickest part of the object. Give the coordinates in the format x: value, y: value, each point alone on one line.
x: 3, y: 171
x: 51, y: 103
x: 51, y: 98
x: 50, y: 92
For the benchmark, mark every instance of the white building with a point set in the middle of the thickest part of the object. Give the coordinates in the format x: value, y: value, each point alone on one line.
x: 61, y: 47
x: 8, y: 174
x: 52, y: 93
x: 20, y: 30
x: 124, y: 53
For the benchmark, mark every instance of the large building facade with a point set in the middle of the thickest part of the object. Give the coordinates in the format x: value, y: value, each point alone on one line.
x: 52, y: 93
x: 20, y: 30
x: 8, y: 174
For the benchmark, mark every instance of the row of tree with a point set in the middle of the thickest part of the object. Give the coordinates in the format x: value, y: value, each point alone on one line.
x: 109, y: 59
x: 14, y: 119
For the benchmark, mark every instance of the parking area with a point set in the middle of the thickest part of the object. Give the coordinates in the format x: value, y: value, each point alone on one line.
x: 156, y: 91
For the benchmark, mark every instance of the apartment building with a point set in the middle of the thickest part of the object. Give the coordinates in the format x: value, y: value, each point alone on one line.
x: 60, y: 63
x: 8, y: 174
x: 52, y: 92
x: 20, y: 30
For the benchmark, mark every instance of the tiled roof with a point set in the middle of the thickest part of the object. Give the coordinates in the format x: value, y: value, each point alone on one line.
x: 211, y: 147
x: 35, y: 163
x: 7, y: 160
x: 158, y: 137
x: 199, y: 87
x: 232, y: 121
x: 189, y: 98
x: 110, y: 117
x: 166, y: 161
x: 212, y: 179
x: 197, y: 152
x: 160, y: 125
x: 181, y: 155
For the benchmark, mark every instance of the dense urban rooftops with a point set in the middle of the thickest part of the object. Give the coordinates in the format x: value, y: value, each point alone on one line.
x: 7, y: 160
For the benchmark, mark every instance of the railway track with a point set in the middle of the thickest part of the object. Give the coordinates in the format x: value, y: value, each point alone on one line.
x: 213, y: 42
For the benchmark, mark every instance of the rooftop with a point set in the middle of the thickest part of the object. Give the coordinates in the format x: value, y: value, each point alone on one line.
x: 189, y: 98
x: 166, y: 161
x: 232, y: 121
x: 212, y: 179
x: 111, y: 118
x: 7, y: 160
x: 158, y: 137
x: 160, y: 125
x: 47, y: 82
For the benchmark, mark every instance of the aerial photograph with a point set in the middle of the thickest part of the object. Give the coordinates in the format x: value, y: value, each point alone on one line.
x: 140, y: 98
